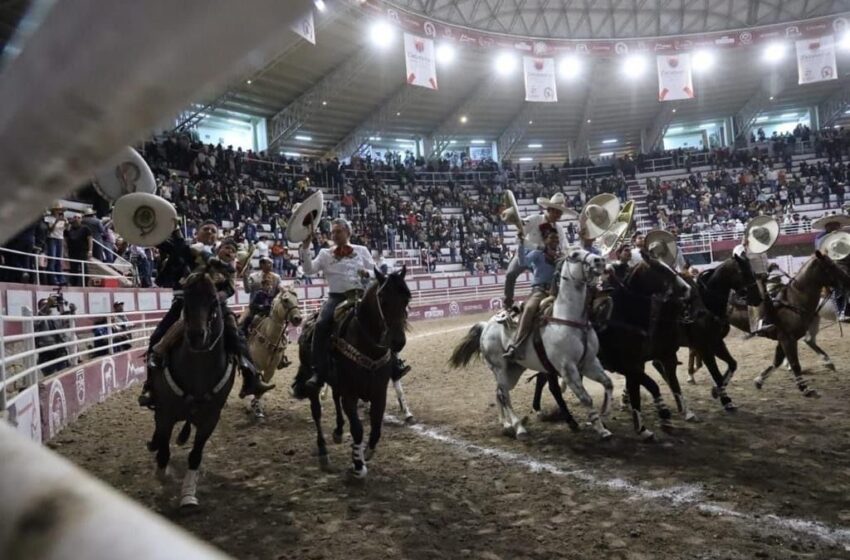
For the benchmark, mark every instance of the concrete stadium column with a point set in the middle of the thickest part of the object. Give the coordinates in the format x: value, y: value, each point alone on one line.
x: 427, y: 145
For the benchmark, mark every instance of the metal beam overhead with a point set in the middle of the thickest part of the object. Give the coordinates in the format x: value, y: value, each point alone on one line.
x: 442, y: 136
x: 517, y: 128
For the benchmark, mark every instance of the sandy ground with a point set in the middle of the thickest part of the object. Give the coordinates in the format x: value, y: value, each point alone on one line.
x: 770, y: 481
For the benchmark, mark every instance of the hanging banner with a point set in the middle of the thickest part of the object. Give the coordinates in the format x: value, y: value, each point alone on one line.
x: 306, y: 28
x: 539, y: 79
x: 674, y: 77
x: 420, y: 61
x: 816, y: 60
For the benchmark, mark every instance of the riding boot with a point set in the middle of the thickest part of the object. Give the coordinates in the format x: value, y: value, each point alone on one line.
x: 400, y: 367
x: 154, y: 367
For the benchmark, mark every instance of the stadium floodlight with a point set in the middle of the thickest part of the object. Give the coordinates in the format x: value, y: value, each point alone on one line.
x: 375, y: 138
x: 291, y: 154
x: 526, y: 159
x: 535, y: 146
x: 702, y: 60
x: 844, y: 41
x: 304, y: 138
x: 762, y: 119
x: 381, y: 33
x: 606, y: 154
x: 320, y: 5
x: 787, y: 115
x: 478, y: 142
x: 463, y: 119
x: 774, y: 52
x: 505, y: 63
x: 569, y: 67
x: 634, y: 65
x: 445, y: 53
x: 610, y: 141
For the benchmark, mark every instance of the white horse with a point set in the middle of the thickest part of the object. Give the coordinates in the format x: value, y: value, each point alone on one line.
x: 568, y: 338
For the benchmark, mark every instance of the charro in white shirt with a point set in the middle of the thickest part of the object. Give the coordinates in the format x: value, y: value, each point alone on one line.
x: 341, y: 273
x: 533, y: 235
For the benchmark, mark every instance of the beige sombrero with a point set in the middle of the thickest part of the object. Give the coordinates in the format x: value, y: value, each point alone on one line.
x: 600, y: 213
x: 841, y: 219
x: 761, y: 233
x: 557, y: 202
x: 835, y: 245
x: 511, y: 215
x: 303, y: 215
x: 662, y: 245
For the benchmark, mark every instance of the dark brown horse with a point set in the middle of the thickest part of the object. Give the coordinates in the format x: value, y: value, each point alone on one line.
x: 795, y: 309
x: 362, y: 360
x: 196, y: 381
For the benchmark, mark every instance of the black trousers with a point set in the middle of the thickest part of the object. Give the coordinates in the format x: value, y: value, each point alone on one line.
x: 166, y: 322
x: 320, y: 348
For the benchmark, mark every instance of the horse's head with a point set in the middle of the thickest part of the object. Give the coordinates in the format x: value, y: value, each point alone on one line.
x: 741, y: 278
x: 582, y: 267
x: 653, y: 276
x: 201, y: 308
x: 285, y: 308
x: 393, y: 295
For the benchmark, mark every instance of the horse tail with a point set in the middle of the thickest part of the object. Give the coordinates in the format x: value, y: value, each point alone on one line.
x: 468, y: 348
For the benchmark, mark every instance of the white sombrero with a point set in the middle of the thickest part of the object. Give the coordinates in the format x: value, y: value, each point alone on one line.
x: 303, y: 215
x: 841, y: 219
x: 144, y: 219
x: 761, y: 233
x: 557, y: 202
x: 662, y: 245
x: 600, y: 213
x: 835, y: 245
x: 125, y: 172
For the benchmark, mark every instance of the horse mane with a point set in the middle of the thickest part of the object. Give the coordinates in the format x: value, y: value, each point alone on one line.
x: 393, y: 281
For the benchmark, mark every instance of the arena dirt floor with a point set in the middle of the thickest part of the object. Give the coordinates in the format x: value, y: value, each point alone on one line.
x: 770, y: 481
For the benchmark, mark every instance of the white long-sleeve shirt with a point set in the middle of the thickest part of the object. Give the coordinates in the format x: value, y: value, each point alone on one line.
x: 533, y: 235
x: 341, y: 274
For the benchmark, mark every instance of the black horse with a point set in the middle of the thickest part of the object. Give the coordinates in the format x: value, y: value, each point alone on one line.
x: 196, y: 381
x: 363, y: 343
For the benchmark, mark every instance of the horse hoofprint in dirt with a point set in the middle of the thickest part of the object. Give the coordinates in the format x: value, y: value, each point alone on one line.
x: 568, y: 338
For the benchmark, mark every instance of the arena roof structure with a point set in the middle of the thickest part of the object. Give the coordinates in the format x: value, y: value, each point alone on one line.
x: 331, y: 98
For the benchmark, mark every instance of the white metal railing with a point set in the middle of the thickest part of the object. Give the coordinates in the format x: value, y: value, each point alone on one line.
x: 701, y: 242
x: 43, y: 275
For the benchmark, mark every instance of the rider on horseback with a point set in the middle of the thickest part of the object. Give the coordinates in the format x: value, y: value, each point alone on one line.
x: 262, y: 287
x: 535, y: 229
x: 182, y: 259
x: 543, y: 265
x: 752, y: 247
x: 344, y: 267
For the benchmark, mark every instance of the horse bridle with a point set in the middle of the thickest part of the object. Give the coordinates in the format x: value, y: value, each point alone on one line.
x: 584, y: 267
x: 215, y: 309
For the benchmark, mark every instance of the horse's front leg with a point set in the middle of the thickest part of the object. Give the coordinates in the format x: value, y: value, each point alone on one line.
x: 340, y: 420
x: 161, y: 443
x: 321, y: 445
x: 204, y: 430
x: 376, y: 420
x: 790, y: 348
x: 402, y: 402
x: 573, y: 380
x: 358, y: 458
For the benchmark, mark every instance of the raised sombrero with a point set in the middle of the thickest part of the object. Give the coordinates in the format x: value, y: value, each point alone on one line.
x: 761, y: 233
x: 662, y: 245
x: 125, y: 172
x: 599, y: 214
x: 303, y: 215
x: 511, y: 215
x: 144, y: 219
x: 835, y: 245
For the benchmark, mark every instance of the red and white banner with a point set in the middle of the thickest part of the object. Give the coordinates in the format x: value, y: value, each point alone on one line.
x: 675, y: 80
x: 306, y: 27
x: 539, y: 79
x: 420, y: 61
x: 816, y: 60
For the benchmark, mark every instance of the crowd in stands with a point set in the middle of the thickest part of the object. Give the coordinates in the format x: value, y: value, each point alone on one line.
x: 397, y: 201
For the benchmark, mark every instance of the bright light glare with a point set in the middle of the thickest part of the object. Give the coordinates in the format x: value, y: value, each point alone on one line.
x: 703, y: 60
x: 535, y: 146
x: 445, y: 54
x: 570, y: 67
x: 479, y: 142
x: 320, y: 5
x: 526, y: 159
x: 844, y: 42
x: 381, y: 33
x: 634, y: 65
x: 675, y: 130
x: 606, y: 154
x: 610, y: 141
x: 505, y: 63
x: 304, y: 138
x: 774, y: 52
x: 291, y: 154
x: 787, y: 115
x: 463, y: 119
x: 761, y: 119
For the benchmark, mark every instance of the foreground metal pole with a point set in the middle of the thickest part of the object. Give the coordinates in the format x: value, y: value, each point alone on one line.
x: 53, y: 510
x: 69, y: 104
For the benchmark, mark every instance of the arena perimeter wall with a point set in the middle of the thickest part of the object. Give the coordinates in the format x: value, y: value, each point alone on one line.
x: 41, y: 411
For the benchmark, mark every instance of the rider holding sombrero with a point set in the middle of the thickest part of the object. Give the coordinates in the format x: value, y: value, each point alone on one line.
x: 827, y: 225
x: 344, y: 266
x: 535, y: 229
x: 180, y: 260
x: 760, y: 235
